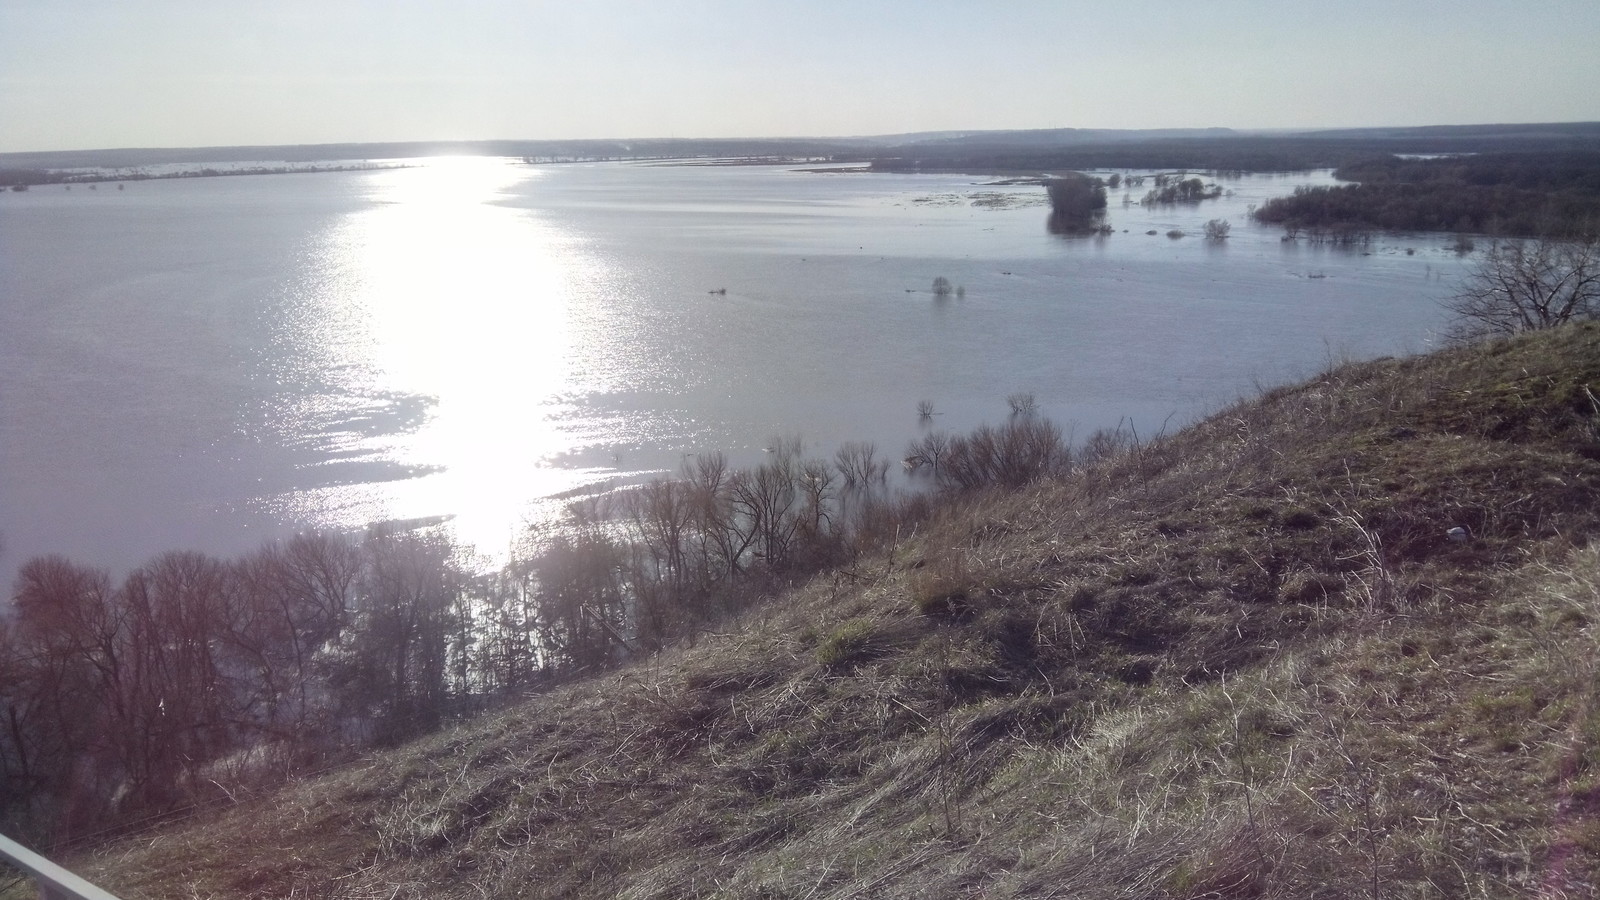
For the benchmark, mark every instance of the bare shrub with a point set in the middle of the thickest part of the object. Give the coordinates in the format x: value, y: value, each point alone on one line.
x: 1105, y: 444
x: 883, y: 521
x: 1022, y: 450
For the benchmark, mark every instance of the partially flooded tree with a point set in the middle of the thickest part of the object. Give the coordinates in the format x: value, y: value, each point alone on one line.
x: 859, y: 465
x: 1023, y: 403
x: 64, y: 689
x: 766, y: 500
x: 818, y: 533
x: 293, y: 600
x: 1528, y: 285
x: 1077, y: 204
x: 582, y: 603
x: 401, y: 677
x: 927, y: 452
x: 1170, y: 190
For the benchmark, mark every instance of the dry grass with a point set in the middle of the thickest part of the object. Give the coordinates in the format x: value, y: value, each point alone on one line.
x: 1242, y: 661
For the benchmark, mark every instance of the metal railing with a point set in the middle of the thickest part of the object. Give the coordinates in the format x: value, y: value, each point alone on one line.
x: 54, y: 882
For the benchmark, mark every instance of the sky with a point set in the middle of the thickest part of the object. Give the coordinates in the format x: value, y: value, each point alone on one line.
x: 93, y: 74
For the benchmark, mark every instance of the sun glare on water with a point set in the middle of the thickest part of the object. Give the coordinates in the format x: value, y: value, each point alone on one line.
x: 456, y: 307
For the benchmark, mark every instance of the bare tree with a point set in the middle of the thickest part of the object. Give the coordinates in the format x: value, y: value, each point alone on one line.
x: 662, y: 515
x: 859, y: 465
x: 582, y: 598
x: 1528, y: 285
x: 927, y: 452
x: 721, y: 545
x: 817, y: 526
x: 400, y: 674
x: 509, y: 653
x: 68, y: 651
x: 766, y: 499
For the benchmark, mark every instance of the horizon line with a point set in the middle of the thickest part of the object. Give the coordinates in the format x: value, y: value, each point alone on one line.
x: 888, y: 136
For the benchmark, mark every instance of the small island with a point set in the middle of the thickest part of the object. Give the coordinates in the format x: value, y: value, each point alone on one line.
x: 1077, y: 204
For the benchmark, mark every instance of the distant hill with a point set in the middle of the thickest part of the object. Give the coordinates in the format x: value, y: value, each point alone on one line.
x: 1529, y: 131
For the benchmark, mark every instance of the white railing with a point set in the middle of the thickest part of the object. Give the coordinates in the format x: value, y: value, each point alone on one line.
x: 54, y: 882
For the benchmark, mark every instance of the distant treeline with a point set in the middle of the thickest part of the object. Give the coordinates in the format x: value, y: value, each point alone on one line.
x: 23, y: 178
x: 1233, y: 153
x: 1028, y: 151
x: 1219, y: 155
x: 1549, y: 172
x: 1526, y: 194
x: 195, y: 677
x: 662, y: 148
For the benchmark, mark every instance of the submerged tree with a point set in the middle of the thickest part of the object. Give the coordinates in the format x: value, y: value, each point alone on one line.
x: 1185, y: 190
x: 1023, y: 403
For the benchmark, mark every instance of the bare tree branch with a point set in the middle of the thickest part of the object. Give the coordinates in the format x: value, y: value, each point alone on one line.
x: 1528, y: 285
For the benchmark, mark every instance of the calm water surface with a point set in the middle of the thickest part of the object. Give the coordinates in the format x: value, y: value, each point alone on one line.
x: 209, y: 363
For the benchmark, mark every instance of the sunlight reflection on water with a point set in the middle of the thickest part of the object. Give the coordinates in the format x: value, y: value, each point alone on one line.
x: 445, y: 316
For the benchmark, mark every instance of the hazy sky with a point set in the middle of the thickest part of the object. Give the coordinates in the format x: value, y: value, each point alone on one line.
x: 78, y: 74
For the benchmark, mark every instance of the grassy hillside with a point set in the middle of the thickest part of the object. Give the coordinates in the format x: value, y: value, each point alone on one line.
x: 1245, y: 660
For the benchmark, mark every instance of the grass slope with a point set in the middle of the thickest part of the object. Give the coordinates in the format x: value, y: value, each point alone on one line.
x: 1241, y: 661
